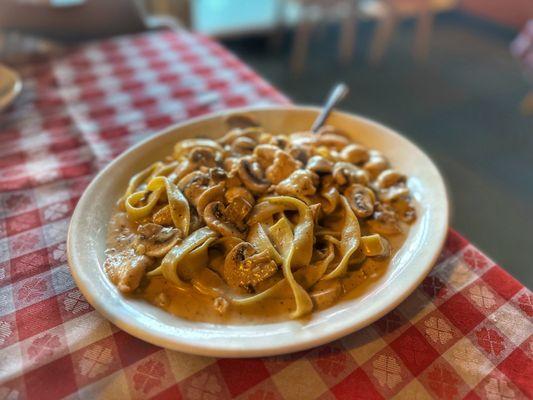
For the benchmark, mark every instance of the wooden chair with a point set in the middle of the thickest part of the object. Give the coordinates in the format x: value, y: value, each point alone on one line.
x: 389, y: 13
x: 313, y: 13
x: 522, y: 49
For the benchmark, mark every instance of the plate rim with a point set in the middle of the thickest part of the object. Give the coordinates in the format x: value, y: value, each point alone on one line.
x: 216, y: 350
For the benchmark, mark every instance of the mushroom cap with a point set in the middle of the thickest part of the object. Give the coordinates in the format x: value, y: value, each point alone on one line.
x: 243, y: 145
x: 384, y: 220
x: 241, y: 121
x: 216, y: 219
x: 193, y: 185
x: 245, y: 268
x: 157, y: 240
x: 346, y: 173
x: 354, y: 153
x: 184, y: 147
x: 320, y: 165
x: 361, y: 200
x: 252, y: 176
x: 204, y: 156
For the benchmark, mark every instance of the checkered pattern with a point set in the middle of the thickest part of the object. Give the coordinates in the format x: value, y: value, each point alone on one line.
x: 466, y: 332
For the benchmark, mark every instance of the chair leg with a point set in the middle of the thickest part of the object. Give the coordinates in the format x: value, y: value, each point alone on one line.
x: 526, y: 107
x: 276, y: 39
x: 300, y: 45
x: 348, y: 35
x: 421, y: 43
x: 382, y: 37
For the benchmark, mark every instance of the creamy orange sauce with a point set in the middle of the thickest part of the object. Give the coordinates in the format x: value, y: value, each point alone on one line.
x: 195, y: 306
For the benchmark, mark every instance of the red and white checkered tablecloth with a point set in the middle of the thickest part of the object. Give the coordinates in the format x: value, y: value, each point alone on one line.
x: 466, y: 332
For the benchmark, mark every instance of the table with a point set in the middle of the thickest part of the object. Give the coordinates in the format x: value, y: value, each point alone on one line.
x: 466, y: 332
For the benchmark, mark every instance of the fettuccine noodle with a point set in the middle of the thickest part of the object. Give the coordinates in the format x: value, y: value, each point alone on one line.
x: 256, y: 219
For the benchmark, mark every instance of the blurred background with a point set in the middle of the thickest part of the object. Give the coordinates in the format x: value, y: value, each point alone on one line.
x: 455, y: 76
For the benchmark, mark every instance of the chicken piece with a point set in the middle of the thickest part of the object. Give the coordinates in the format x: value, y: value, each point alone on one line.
x: 163, y: 216
x: 326, y: 293
x: 126, y: 269
x: 245, y: 268
x: 282, y: 166
x: 300, y: 183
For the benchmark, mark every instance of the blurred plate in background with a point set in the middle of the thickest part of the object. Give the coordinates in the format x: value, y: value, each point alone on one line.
x: 10, y: 86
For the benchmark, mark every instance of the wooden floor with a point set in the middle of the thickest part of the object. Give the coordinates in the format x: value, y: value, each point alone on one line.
x: 462, y: 107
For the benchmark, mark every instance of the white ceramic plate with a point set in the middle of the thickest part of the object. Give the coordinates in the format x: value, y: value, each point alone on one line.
x: 87, y: 235
x: 10, y: 86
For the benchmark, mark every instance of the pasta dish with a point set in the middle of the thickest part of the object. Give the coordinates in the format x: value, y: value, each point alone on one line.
x: 257, y: 226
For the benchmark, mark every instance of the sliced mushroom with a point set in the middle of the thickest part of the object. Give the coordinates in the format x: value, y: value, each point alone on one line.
x: 241, y: 121
x: 301, y: 183
x: 217, y: 175
x: 252, y: 176
x: 404, y: 209
x: 319, y: 165
x: 245, y: 268
x: 279, y: 141
x: 203, y: 156
x: 184, y: 147
x: 334, y: 140
x: 354, y: 153
x: 243, y: 145
x: 193, y: 185
x: 346, y: 173
x: 375, y: 164
x: 361, y: 200
x: 300, y: 153
x: 211, y: 194
x: 388, y: 178
x: 384, y: 220
x: 232, y: 135
x: 156, y: 240
x: 282, y: 166
x: 215, y: 218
